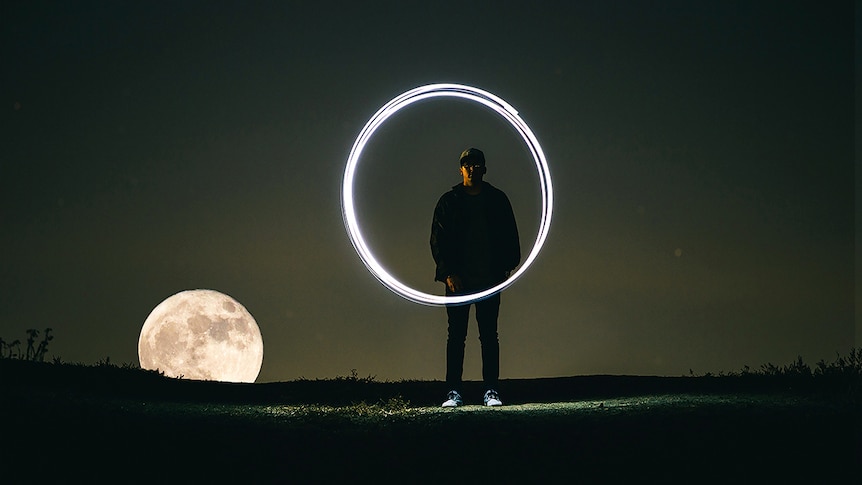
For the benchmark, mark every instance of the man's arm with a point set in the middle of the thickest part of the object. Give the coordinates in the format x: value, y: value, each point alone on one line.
x: 441, y: 241
x: 510, y: 241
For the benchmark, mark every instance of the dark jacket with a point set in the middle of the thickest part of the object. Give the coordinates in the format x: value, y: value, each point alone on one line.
x: 449, y: 232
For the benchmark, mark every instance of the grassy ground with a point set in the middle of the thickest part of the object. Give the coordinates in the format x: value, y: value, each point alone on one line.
x: 111, y: 425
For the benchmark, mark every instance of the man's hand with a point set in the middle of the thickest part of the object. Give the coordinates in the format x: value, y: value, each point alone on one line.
x: 453, y: 282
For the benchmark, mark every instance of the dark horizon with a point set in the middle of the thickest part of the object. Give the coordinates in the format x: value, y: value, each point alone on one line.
x: 773, y: 427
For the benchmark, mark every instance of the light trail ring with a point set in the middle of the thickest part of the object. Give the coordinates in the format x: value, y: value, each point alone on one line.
x: 348, y: 207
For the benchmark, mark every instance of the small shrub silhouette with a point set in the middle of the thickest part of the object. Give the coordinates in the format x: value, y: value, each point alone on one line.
x: 797, y: 368
x: 354, y: 377
x: 34, y: 352
x: 849, y: 366
x: 10, y: 350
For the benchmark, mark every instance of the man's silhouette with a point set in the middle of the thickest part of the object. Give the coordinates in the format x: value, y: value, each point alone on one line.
x: 474, y: 241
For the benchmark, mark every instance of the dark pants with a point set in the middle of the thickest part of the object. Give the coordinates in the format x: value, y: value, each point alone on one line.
x: 487, y: 311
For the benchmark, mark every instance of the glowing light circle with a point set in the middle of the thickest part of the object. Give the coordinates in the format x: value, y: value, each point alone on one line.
x: 348, y: 209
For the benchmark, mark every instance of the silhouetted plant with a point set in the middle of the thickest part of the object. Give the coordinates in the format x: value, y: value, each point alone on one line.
x: 32, y: 333
x: 850, y: 366
x: 37, y: 353
x: 42, y: 349
x: 33, y: 352
x: 16, y: 353
x: 797, y: 368
x: 844, y: 373
x: 354, y: 377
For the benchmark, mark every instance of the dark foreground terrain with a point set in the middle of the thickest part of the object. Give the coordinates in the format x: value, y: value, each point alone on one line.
x: 105, y: 424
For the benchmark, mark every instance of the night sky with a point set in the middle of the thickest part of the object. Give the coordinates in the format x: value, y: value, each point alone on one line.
x: 702, y: 155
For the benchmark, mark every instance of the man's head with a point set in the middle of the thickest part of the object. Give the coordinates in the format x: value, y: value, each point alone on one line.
x: 472, y: 156
x: 472, y: 166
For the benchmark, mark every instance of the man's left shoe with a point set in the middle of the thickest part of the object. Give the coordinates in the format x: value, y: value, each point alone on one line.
x: 492, y: 398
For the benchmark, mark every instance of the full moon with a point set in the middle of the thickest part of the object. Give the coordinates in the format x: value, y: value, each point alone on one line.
x: 202, y: 335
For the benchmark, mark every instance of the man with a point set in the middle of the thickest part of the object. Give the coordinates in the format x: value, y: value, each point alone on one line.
x: 474, y: 241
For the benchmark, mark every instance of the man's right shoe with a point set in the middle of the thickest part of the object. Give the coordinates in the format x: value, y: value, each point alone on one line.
x: 453, y: 400
x: 492, y: 398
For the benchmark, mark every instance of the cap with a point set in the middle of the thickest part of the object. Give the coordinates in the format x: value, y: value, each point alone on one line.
x: 473, y: 155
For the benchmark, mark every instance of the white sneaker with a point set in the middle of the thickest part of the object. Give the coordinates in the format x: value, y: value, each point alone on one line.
x: 492, y: 398
x: 453, y: 400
